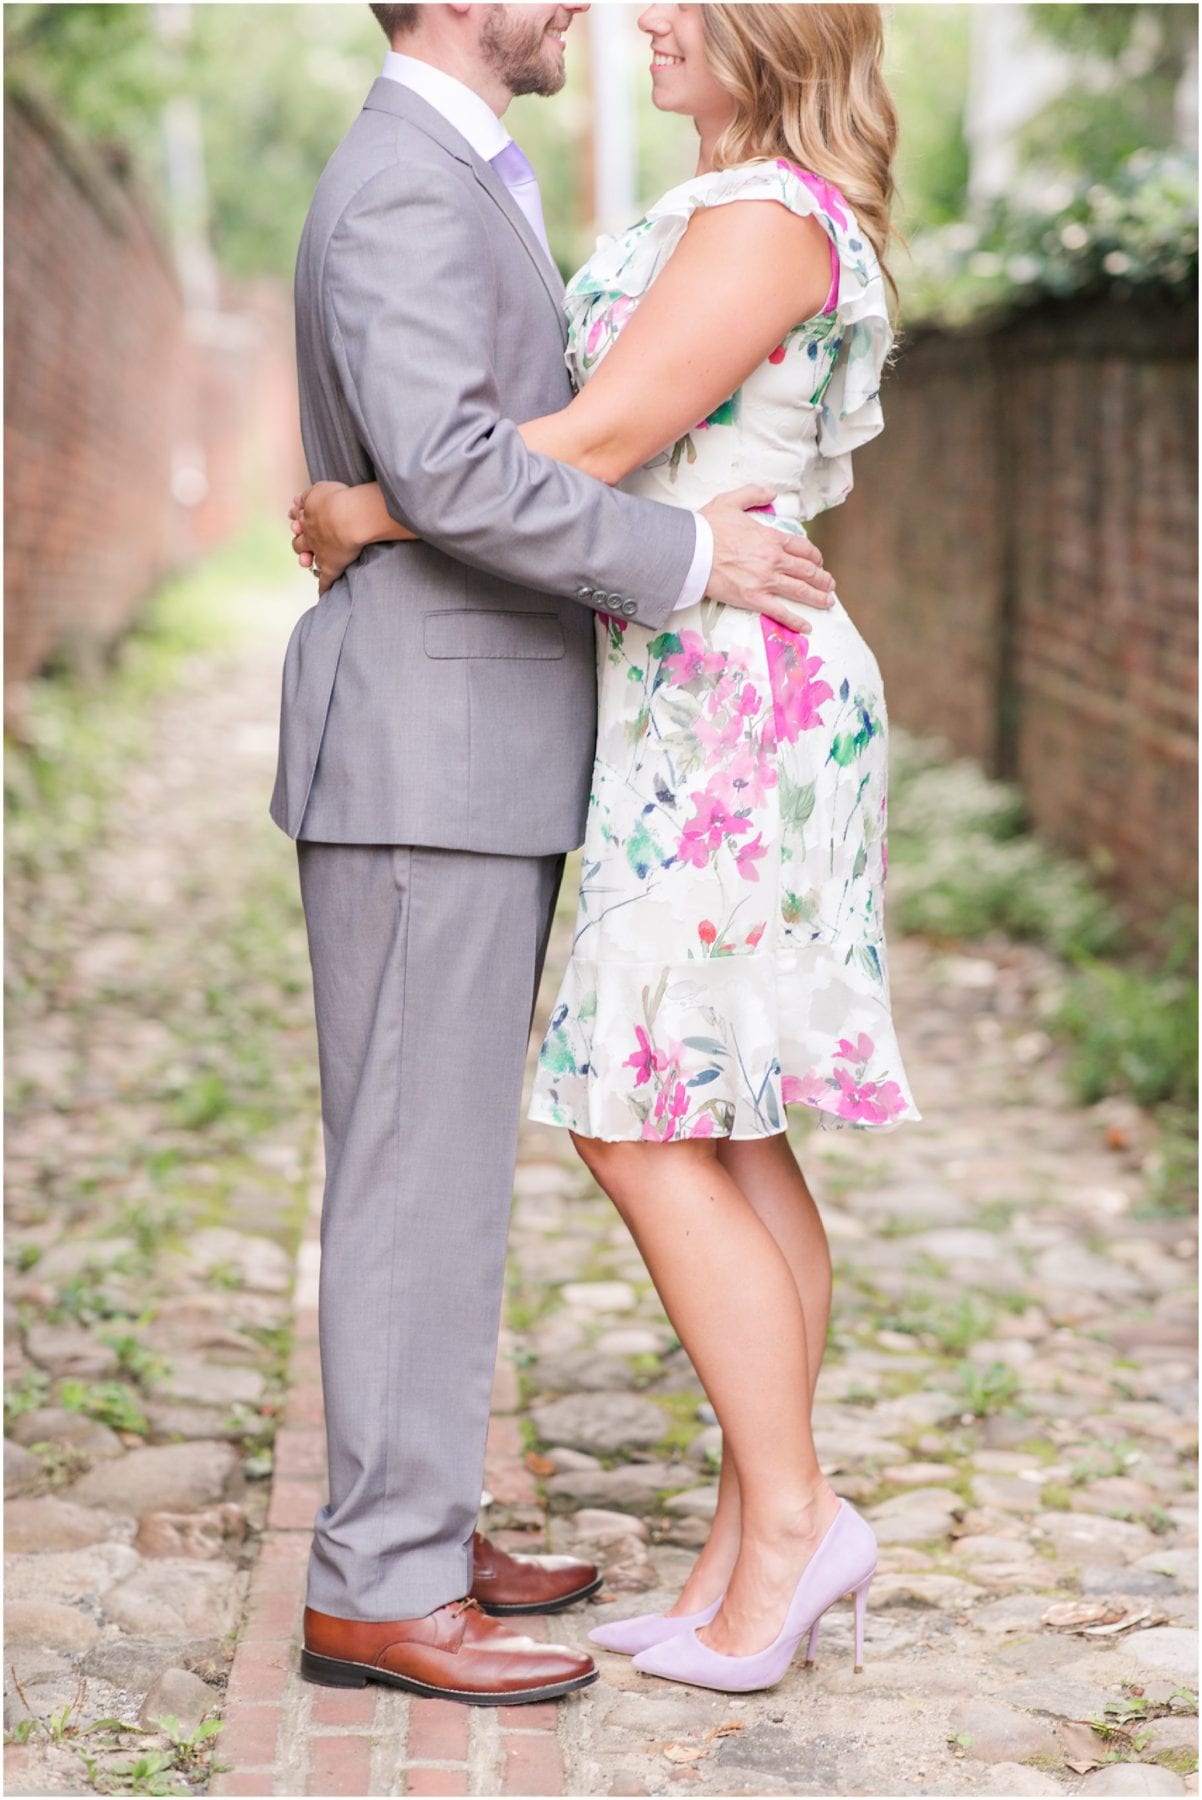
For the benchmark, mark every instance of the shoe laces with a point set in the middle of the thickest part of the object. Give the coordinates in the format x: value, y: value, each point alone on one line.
x: 467, y: 1604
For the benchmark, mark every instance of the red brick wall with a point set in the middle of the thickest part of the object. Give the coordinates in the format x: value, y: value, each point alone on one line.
x: 1020, y: 551
x: 108, y: 384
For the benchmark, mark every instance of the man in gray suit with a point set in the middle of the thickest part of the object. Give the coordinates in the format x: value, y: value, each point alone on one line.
x: 437, y: 738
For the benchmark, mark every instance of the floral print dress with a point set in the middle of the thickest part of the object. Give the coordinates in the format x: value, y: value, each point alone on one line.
x: 729, y: 956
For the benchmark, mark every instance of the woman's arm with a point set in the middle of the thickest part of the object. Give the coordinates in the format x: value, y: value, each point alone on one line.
x: 742, y: 276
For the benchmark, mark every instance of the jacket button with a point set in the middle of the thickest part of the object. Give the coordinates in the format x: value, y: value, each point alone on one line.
x: 584, y: 593
x: 630, y: 607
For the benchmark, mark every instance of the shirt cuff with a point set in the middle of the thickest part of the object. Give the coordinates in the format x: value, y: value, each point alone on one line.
x: 701, y: 567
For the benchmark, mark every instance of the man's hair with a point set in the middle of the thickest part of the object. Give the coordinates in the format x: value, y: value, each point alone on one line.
x: 395, y: 19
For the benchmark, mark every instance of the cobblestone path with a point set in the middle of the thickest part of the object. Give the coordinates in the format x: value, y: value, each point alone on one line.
x: 1008, y: 1392
x: 162, y: 1128
x: 1008, y: 1395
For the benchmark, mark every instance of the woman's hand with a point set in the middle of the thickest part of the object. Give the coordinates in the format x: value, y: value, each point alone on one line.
x: 331, y: 523
x: 320, y: 533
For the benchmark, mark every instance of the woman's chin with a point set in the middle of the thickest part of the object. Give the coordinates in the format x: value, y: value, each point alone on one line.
x: 665, y: 102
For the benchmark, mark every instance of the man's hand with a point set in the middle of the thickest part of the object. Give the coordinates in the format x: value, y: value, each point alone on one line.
x: 760, y: 569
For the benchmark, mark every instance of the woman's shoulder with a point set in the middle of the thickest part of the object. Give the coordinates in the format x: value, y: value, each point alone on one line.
x: 767, y: 178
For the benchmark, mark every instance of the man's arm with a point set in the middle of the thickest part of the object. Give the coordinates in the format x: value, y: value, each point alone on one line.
x: 409, y: 303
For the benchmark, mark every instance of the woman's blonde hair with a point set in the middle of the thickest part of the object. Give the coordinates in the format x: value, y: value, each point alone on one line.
x: 807, y: 84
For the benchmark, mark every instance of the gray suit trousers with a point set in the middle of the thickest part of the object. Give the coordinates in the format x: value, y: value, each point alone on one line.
x: 425, y: 967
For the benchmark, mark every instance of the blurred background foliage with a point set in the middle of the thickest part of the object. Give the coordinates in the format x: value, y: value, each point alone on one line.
x: 276, y: 86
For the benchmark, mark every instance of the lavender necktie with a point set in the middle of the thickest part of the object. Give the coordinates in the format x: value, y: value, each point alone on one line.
x: 512, y: 165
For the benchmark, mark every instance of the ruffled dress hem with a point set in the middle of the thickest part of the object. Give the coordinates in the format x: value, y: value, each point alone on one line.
x: 688, y: 1058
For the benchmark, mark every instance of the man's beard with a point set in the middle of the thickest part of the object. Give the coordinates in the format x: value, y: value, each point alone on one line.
x: 515, y: 52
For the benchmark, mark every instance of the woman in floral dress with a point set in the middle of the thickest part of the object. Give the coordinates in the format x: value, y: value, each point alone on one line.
x: 729, y: 957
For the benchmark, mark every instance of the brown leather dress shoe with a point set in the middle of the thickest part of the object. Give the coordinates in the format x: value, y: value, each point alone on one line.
x: 454, y: 1653
x: 504, y: 1583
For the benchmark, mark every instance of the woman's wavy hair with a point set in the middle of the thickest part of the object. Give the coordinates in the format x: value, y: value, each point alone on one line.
x: 807, y: 84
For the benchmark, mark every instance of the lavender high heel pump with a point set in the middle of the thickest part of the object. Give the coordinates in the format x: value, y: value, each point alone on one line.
x: 844, y: 1562
x: 645, y: 1630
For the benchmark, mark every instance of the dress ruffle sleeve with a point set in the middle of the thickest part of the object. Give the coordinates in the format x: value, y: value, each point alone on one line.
x: 601, y: 297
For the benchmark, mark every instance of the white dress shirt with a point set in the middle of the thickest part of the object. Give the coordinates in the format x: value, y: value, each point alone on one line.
x: 474, y: 119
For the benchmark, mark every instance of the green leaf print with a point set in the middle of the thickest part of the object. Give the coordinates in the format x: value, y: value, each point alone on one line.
x: 860, y: 864
x: 846, y: 746
x: 651, y: 1007
x: 637, y: 728
x: 866, y: 956
x: 643, y: 852
x: 682, y: 447
x: 710, y: 1046
x: 796, y: 801
x: 727, y: 413
x: 800, y: 909
x: 588, y: 1007
x: 681, y: 708
x: 556, y: 1055
x: 666, y: 644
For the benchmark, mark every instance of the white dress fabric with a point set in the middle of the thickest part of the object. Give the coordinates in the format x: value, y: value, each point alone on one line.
x: 729, y: 956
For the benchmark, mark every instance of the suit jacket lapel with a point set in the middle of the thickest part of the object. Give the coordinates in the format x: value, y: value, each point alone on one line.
x: 391, y: 96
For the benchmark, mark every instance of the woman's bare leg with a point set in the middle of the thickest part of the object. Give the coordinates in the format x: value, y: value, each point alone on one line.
x: 732, y: 1298
x: 767, y: 1172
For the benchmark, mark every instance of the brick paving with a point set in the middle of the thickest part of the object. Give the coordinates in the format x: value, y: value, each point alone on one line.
x: 283, y: 1735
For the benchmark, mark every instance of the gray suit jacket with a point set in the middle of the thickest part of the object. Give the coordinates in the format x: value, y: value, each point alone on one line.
x: 444, y: 693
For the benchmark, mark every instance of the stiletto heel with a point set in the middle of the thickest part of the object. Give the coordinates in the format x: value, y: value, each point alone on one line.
x: 812, y: 1646
x: 861, y: 1599
x: 844, y: 1562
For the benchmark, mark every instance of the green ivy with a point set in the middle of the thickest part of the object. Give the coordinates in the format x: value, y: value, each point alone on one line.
x: 1136, y: 231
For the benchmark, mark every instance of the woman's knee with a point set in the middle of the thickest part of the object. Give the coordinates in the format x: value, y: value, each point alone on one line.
x: 604, y: 1161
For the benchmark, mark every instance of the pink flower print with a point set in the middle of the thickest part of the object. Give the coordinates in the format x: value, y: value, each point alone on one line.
x: 609, y: 321
x: 671, y: 1103
x: 693, y: 850
x: 747, y: 855
x: 809, y: 1089
x: 693, y: 659
x: 828, y: 197
x: 678, y: 1106
x: 718, y: 737
x: 754, y: 935
x: 645, y: 1059
x: 748, y: 776
x: 797, y: 692
x: 884, y: 858
x: 703, y: 1125
x: 859, y: 1052
x: 708, y: 829
x: 872, y: 1101
x: 707, y: 932
x: 777, y: 355
x: 748, y: 702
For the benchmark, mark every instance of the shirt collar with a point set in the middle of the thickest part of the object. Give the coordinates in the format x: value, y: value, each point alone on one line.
x: 470, y: 115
